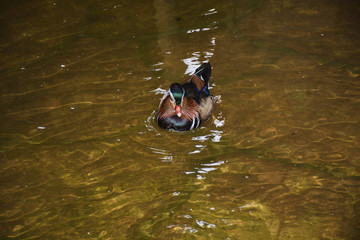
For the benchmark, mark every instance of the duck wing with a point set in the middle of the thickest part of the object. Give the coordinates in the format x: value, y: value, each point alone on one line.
x: 197, y: 85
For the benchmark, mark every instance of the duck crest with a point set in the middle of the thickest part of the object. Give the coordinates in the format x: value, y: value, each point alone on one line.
x: 187, y: 105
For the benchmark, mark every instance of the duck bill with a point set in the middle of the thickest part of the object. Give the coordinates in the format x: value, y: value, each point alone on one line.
x: 178, y: 111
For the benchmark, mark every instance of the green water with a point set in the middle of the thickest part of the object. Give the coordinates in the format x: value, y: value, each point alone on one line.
x: 82, y: 158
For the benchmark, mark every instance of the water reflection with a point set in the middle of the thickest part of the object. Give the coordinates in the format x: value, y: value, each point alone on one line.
x: 210, y: 12
x: 157, y: 66
x: 166, y: 155
x: 215, y: 136
x: 194, y: 61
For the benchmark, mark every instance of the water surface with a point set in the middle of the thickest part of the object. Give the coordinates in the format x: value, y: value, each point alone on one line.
x: 82, y: 157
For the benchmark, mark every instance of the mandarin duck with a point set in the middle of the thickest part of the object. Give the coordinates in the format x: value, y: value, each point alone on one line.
x: 186, y: 106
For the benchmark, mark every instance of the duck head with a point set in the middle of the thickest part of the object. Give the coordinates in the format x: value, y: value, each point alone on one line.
x: 177, y: 93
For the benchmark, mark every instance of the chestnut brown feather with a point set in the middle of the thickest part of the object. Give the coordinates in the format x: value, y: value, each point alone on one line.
x: 166, y: 108
x: 189, y: 108
x: 196, y: 80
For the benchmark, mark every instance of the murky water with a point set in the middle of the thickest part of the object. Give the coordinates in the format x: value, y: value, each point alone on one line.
x: 82, y: 158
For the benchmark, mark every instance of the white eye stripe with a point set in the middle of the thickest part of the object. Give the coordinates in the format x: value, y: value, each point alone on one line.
x: 173, y: 98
